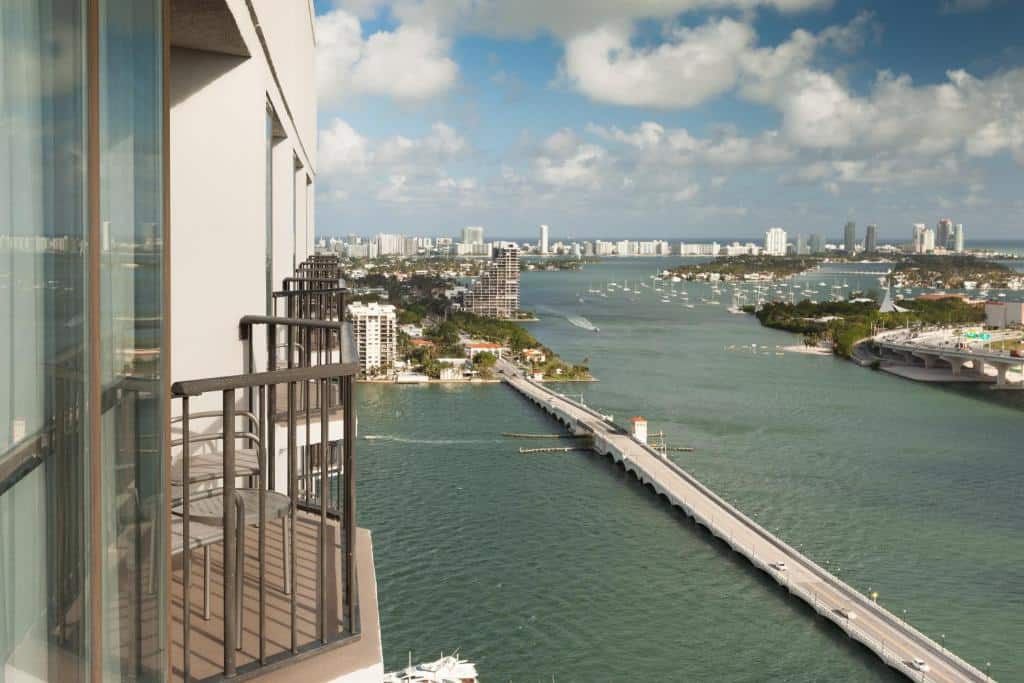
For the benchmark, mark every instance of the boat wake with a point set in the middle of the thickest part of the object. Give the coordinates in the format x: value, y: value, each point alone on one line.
x: 583, y: 323
x: 576, y: 320
x: 440, y: 442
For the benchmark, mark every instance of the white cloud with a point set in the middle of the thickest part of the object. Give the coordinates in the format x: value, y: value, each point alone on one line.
x: 409, y: 63
x: 677, y: 147
x: 565, y: 18
x: 394, y: 169
x: 565, y: 161
x: 692, y: 66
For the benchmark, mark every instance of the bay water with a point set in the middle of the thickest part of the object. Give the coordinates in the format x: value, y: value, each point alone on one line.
x: 561, y: 567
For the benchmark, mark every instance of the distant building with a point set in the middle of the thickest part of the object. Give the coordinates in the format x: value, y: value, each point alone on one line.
x: 958, y: 238
x: 775, y: 242
x: 944, y: 233
x: 639, y: 425
x: 850, y: 238
x: 373, y: 326
x: 924, y: 239
x: 1004, y: 313
x: 473, y: 235
x: 801, y: 245
x: 817, y: 243
x: 474, y: 348
x: 495, y: 294
x: 703, y: 249
x: 737, y: 249
x: 543, y: 244
x: 871, y: 239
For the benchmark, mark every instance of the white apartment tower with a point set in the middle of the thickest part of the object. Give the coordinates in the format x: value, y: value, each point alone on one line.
x: 924, y: 239
x: 775, y: 242
x: 496, y: 292
x: 373, y: 326
x: 543, y: 244
x: 473, y: 235
x: 958, y: 238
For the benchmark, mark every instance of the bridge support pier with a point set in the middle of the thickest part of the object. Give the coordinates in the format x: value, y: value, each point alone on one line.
x: 979, y: 367
x: 957, y: 364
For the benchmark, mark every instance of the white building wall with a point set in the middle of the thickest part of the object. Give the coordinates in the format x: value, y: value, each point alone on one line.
x: 218, y: 181
x: 217, y: 209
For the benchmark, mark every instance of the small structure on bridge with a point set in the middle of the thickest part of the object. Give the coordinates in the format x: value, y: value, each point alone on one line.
x: 639, y: 429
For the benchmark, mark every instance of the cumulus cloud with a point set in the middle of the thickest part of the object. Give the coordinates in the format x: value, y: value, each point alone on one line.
x: 393, y: 169
x: 411, y: 62
x: 565, y: 18
x: 691, y: 66
x: 566, y: 161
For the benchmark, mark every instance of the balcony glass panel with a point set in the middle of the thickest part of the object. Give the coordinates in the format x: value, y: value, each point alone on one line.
x: 43, y: 478
x: 130, y: 332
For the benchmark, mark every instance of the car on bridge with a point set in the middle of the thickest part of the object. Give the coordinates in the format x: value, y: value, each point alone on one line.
x: 778, y: 566
x: 919, y: 664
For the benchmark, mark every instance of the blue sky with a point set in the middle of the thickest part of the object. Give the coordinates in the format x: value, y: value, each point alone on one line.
x: 669, y: 118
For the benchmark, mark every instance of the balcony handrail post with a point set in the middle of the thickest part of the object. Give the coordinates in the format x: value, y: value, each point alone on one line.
x: 186, y: 602
x: 324, y: 468
x: 272, y: 408
x: 293, y: 493
x: 350, y: 499
x: 262, y: 454
x: 230, y: 529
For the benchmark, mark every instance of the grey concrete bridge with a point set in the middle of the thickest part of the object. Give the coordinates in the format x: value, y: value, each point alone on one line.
x: 936, y: 349
x: 892, y: 639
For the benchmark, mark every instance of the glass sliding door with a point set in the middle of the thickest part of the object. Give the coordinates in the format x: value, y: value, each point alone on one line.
x: 44, y: 547
x: 130, y: 332
x: 50, y: 336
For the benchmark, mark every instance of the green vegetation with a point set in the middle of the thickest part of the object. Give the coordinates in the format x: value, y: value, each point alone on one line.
x: 555, y: 264
x: 843, y: 323
x: 737, y: 267
x: 952, y: 270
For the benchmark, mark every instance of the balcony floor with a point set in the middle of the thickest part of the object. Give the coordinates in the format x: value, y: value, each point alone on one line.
x: 207, y: 650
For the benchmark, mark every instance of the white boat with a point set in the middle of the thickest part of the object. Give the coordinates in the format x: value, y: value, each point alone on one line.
x: 448, y: 669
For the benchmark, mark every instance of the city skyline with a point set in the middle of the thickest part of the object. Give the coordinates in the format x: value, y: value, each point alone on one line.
x: 807, y: 113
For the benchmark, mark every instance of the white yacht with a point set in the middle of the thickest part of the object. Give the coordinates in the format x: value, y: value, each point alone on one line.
x: 448, y: 669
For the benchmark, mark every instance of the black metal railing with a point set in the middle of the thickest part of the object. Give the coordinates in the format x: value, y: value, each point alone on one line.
x: 318, y: 303
x: 307, y: 343
x: 230, y: 506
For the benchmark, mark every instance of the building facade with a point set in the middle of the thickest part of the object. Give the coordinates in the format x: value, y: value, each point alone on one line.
x: 495, y: 294
x: 374, y: 328
x: 159, y: 189
x: 871, y: 239
x: 473, y: 235
x: 850, y: 238
x: 542, y: 245
x: 775, y: 242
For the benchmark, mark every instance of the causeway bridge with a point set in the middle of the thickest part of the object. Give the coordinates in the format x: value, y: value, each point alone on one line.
x: 937, y: 349
x: 896, y: 642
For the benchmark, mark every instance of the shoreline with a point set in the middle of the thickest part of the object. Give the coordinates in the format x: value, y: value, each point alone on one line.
x: 467, y: 381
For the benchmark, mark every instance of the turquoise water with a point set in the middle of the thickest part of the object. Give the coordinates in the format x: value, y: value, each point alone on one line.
x: 559, y: 566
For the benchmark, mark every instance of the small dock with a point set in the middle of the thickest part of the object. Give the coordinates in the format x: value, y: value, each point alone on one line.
x: 554, y: 449
x: 892, y: 639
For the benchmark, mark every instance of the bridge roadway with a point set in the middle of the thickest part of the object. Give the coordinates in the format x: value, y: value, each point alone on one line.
x: 940, y: 345
x: 893, y: 640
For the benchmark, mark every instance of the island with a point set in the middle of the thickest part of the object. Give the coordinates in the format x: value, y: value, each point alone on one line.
x: 746, y: 267
x: 841, y: 324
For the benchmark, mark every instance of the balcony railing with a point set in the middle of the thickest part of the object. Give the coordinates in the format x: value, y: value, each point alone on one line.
x: 262, y: 607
